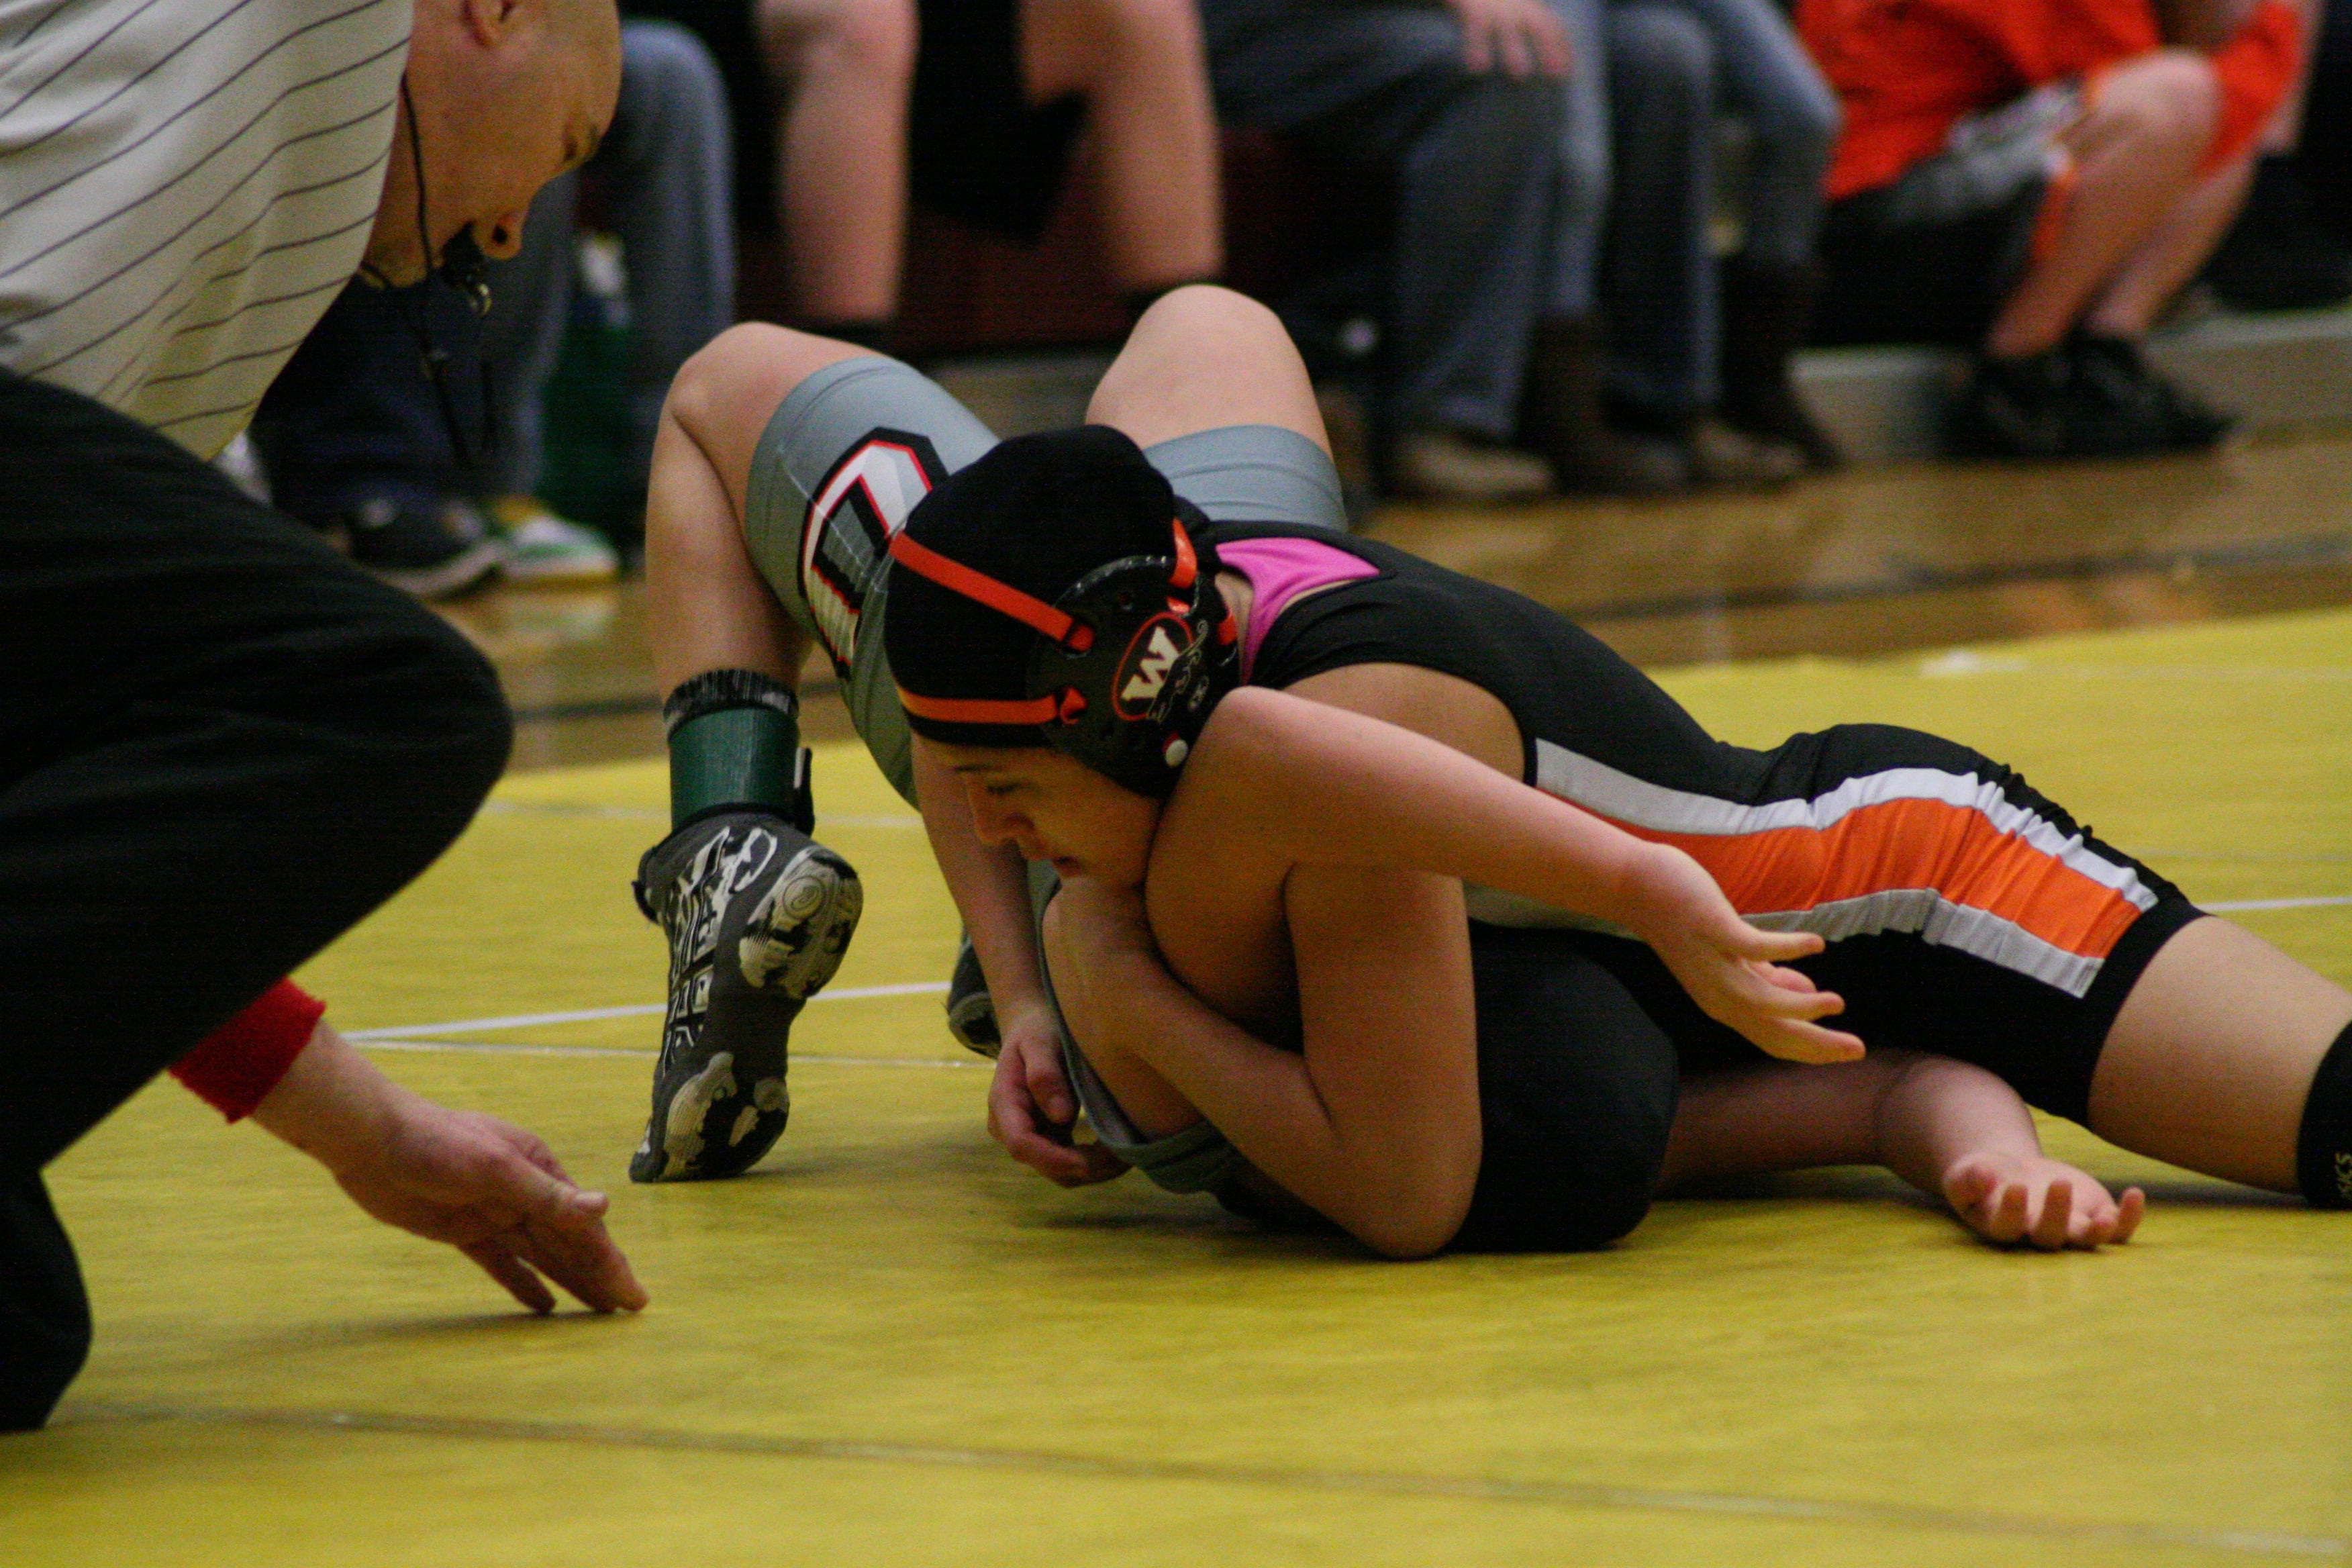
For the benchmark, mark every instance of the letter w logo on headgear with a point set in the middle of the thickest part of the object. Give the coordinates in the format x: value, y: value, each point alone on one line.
x: 1152, y: 669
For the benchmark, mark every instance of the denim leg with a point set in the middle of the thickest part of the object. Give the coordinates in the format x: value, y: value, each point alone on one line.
x: 672, y: 166
x: 1770, y: 80
x: 1581, y: 213
x: 1477, y: 159
x: 354, y: 408
x: 1660, y: 285
x: 530, y: 296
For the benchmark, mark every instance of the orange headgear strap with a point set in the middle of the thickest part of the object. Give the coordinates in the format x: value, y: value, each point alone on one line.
x: 999, y: 596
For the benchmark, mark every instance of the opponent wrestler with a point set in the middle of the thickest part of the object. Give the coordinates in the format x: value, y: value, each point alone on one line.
x: 782, y: 466
x: 1391, y: 893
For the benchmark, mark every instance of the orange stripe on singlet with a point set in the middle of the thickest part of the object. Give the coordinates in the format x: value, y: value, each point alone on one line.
x: 1911, y: 844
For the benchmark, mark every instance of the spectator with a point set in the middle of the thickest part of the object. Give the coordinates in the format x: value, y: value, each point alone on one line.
x: 2035, y: 179
x: 354, y: 434
x: 664, y: 175
x: 1497, y: 118
x: 973, y: 107
x: 2284, y: 253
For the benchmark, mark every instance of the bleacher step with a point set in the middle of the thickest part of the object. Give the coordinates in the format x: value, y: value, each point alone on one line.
x: 1884, y: 405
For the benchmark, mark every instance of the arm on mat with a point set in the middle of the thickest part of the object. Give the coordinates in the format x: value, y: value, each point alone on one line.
x: 1948, y: 1128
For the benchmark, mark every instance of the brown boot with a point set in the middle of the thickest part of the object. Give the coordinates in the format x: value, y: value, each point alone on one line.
x: 1766, y: 312
x: 1565, y: 421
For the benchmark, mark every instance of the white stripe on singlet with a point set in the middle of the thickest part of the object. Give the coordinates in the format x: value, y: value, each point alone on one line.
x: 184, y: 185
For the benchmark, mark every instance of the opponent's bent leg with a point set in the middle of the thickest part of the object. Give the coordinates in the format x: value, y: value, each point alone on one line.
x: 2229, y: 1058
x: 1201, y: 359
x: 756, y: 913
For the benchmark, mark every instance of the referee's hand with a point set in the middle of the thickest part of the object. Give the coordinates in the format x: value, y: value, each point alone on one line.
x: 488, y: 1189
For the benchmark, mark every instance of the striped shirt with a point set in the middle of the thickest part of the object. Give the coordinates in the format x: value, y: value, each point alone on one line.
x: 184, y: 185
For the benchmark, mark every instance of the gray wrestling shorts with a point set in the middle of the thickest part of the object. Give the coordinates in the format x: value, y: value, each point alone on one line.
x: 852, y: 450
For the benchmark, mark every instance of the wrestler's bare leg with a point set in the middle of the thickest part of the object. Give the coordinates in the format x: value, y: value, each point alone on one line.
x: 1203, y: 358
x: 2210, y: 1061
x: 706, y: 606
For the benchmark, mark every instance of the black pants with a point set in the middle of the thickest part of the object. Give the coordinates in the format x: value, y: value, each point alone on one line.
x: 220, y: 746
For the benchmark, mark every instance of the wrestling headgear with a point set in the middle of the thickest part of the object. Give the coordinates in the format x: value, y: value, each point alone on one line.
x: 1052, y: 594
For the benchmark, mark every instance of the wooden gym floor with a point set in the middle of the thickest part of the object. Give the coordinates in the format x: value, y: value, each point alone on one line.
x: 889, y: 1345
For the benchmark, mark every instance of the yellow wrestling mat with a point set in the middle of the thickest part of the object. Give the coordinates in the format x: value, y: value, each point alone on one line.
x: 888, y: 1345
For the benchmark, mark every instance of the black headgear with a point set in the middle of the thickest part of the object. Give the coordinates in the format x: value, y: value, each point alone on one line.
x: 1051, y: 593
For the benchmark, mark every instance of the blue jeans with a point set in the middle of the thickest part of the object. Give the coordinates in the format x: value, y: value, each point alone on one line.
x: 354, y: 409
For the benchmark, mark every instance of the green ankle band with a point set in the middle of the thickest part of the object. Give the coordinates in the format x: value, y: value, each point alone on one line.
x: 736, y: 756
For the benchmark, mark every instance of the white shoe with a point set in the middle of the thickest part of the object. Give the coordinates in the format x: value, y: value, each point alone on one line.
x: 542, y: 547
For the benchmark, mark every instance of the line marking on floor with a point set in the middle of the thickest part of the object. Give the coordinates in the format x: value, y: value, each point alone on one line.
x: 661, y: 814
x: 2334, y: 900
x: 418, y: 1036
x: 1588, y: 1495
x: 518, y: 1048
x: 632, y: 1010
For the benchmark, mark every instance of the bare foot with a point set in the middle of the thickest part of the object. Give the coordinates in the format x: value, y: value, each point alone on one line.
x: 2039, y: 1202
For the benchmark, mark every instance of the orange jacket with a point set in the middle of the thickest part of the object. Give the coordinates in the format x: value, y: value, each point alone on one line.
x: 1906, y: 70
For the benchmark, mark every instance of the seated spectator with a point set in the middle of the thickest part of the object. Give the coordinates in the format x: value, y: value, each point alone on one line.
x: 2291, y: 248
x: 665, y: 173
x: 1497, y: 119
x: 2035, y: 179
x: 363, y: 438
x: 973, y: 106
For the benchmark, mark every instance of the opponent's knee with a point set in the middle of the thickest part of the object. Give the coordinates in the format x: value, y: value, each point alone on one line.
x: 2323, y: 1151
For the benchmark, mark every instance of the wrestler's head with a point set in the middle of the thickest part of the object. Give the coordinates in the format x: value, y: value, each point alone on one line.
x: 506, y: 94
x: 1056, y: 631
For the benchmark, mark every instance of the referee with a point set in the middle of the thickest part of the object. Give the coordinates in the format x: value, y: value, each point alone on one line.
x: 221, y: 744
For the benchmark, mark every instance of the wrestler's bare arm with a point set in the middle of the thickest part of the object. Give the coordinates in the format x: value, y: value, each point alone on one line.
x: 1374, y: 1122
x: 1294, y: 782
x: 1950, y: 1129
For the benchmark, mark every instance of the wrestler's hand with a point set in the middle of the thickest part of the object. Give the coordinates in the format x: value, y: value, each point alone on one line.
x: 490, y: 1190
x: 1519, y: 37
x: 2039, y: 1202
x: 1732, y: 970
x: 1032, y: 1110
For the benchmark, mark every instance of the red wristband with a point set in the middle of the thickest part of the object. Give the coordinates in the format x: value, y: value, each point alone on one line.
x: 240, y: 1062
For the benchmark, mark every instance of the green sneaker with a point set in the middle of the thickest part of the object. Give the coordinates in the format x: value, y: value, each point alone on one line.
x: 542, y: 547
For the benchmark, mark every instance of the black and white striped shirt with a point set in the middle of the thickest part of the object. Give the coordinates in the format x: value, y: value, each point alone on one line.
x: 184, y: 184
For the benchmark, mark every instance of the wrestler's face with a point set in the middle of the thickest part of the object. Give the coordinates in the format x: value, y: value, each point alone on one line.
x: 1056, y: 809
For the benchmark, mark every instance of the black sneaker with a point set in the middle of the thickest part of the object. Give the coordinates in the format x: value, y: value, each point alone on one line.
x: 2092, y: 397
x: 2122, y: 377
x: 432, y: 546
x: 971, y: 1014
x: 757, y: 918
x: 2013, y: 409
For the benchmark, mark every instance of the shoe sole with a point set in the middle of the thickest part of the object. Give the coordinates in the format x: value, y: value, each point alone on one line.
x: 711, y: 1128
x: 455, y: 575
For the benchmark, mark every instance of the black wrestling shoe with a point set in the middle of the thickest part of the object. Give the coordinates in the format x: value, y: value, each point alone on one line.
x: 971, y: 1014
x: 757, y: 918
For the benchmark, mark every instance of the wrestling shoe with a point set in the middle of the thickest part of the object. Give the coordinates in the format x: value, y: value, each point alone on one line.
x: 758, y: 917
x: 971, y: 1015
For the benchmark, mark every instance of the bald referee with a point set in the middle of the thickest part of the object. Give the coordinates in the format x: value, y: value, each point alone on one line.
x: 220, y: 744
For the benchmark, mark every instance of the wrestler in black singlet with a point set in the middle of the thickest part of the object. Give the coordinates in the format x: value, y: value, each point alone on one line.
x: 1967, y: 915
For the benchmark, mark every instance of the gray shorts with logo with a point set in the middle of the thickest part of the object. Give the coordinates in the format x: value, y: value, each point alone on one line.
x: 851, y: 451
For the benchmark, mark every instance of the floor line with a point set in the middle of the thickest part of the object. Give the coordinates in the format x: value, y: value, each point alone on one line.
x: 632, y: 1010
x: 517, y: 1048
x: 2233, y: 906
x: 1583, y: 1495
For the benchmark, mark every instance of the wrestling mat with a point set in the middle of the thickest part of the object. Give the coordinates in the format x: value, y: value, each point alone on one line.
x: 889, y: 1345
